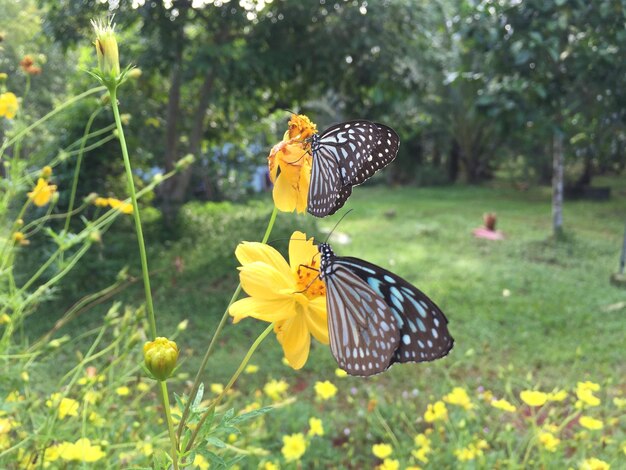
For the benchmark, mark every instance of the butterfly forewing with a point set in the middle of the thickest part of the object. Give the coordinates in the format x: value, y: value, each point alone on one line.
x: 362, y: 328
x: 422, y: 325
x: 352, y: 152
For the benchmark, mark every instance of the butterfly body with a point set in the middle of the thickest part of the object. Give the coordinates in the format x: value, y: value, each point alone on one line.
x: 376, y: 318
x: 345, y: 155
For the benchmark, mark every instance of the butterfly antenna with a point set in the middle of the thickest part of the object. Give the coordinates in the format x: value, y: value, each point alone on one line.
x: 338, y: 222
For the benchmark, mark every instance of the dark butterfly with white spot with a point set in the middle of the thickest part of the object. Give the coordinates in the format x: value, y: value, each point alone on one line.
x: 345, y: 155
x: 376, y: 318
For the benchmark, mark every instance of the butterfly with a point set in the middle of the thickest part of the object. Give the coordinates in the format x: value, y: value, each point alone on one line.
x: 345, y: 155
x: 376, y: 318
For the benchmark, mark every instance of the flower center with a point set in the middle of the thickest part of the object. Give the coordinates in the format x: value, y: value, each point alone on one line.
x: 309, y: 282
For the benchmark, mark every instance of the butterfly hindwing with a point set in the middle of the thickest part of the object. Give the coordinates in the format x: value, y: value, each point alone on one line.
x: 422, y: 325
x: 362, y: 329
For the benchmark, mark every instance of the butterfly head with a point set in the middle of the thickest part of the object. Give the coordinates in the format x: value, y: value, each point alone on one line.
x: 326, y: 254
x: 315, y: 142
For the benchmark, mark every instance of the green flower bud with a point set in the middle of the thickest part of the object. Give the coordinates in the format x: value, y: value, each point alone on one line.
x: 106, y: 48
x: 160, y: 357
x: 134, y: 73
x: 184, y: 162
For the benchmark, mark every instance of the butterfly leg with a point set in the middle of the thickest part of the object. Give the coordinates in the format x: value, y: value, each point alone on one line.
x: 312, y: 281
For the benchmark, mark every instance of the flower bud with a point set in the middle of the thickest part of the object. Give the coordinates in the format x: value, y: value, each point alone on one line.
x: 46, y: 172
x: 106, y: 48
x: 134, y: 73
x: 3, y: 77
x: 89, y: 198
x: 125, y: 118
x: 95, y: 236
x: 160, y: 357
x: 184, y: 162
x: 182, y: 326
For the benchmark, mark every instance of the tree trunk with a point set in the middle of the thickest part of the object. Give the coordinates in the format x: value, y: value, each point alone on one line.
x: 453, y: 162
x: 557, y: 183
x: 195, y: 139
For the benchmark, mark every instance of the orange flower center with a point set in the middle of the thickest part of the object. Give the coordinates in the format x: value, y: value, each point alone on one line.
x: 309, y: 282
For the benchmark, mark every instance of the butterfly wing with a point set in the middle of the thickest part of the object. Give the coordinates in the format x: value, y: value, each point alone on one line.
x: 422, y: 326
x: 324, y: 186
x: 362, y: 328
x: 382, y: 154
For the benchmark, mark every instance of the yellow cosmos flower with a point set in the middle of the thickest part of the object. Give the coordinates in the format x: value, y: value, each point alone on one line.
x: 590, y: 423
x: 325, y: 390
x: 42, y: 193
x: 436, y: 412
x: 533, y: 397
x: 289, y: 165
x: 123, y: 207
x: 294, y: 447
x: 287, y: 294
x: 549, y: 441
x: 502, y: 404
x: 458, y: 396
x: 101, y: 202
x: 275, y: 389
x: 316, y: 427
x: 389, y: 464
x: 594, y: 464
x: 8, y: 105
x: 382, y: 451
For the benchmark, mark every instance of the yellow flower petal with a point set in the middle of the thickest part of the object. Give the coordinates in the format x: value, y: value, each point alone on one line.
x: 295, y: 340
x: 302, y: 251
x: 317, y: 319
x: 262, y: 309
x: 263, y: 281
x: 286, y: 193
x: 249, y: 252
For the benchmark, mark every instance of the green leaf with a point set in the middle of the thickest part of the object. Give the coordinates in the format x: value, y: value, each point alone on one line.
x: 198, y: 399
x: 215, y: 442
x: 250, y: 415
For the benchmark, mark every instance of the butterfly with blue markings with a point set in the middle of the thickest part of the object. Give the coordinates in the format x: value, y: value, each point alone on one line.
x: 376, y: 318
x: 345, y: 155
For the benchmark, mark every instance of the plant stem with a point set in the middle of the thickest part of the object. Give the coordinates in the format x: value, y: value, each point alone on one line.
x: 138, y: 229
x: 79, y: 161
x: 144, y: 263
x: 218, y: 330
x: 232, y: 381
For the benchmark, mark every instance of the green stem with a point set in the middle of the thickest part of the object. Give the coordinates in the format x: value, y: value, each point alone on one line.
x: 79, y: 161
x: 218, y: 330
x: 170, y: 423
x: 51, y: 114
x: 232, y: 381
x: 144, y: 261
x: 138, y: 229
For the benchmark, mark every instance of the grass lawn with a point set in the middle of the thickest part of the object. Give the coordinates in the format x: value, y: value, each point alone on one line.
x: 560, y: 322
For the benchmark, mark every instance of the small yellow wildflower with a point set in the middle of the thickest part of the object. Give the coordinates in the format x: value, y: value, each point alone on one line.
x: 143, y: 387
x: 316, y: 428
x: 217, y: 388
x: 422, y: 454
x: 251, y: 369
x: 97, y: 420
x: 422, y: 440
x: 200, y: 462
x: 587, y: 385
x: 14, y: 397
x: 81, y: 451
x: 503, y: 404
x: 24, y: 376
x: 146, y: 448
x: 619, y: 402
x: 325, y: 390
x: 549, y: 441
x: 275, y: 389
x: 270, y: 466
x: 584, y: 392
x: 122, y: 391
x: 123, y: 207
x: 590, y: 423
x: 533, y: 397
x: 389, y: 464
x: 472, y: 451
x: 42, y: 193
x: 8, y: 105
x: 459, y: 397
x: 66, y: 406
x: 5, y: 319
x: 20, y: 239
x: 341, y: 373
x: 101, y: 202
x: 382, y: 451
x: 594, y: 464
x: 413, y: 467
x: 557, y: 395
x: 436, y: 412
x: 294, y: 447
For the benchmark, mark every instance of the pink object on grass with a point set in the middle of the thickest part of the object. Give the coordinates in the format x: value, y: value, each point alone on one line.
x: 482, y: 232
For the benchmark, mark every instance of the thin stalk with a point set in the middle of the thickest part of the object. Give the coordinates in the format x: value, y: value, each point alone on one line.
x: 51, y: 114
x: 218, y: 330
x: 79, y: 161
x: 232, y: 381
x: 136, y: 216
x: 144, y: 261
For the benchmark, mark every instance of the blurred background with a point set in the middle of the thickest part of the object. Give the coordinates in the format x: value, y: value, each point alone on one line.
x: 498, y: 104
